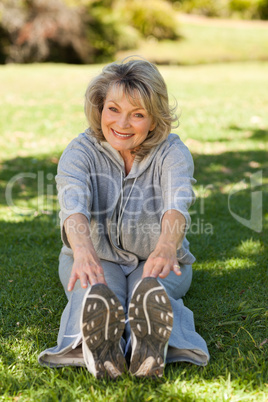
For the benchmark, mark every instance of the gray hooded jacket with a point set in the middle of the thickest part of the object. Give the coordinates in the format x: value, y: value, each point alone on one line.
x: 125, y: 212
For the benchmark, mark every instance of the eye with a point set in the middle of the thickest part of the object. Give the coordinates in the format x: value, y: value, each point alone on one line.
x: 139, y: 115
x: 113, y: 109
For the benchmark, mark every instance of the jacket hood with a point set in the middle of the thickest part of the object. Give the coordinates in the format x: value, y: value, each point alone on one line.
x: 138, y: 167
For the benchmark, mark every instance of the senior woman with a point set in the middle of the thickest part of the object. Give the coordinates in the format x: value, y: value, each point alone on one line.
x: 125, y: 186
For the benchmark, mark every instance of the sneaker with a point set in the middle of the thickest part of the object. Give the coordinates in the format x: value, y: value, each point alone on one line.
x: 103, y: 323
x: 151, y: 320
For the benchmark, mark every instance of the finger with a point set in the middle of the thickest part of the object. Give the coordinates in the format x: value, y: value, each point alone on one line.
x: 83, y: 280
x: 150, y: 270
x: 96, y: 277
x: 177, y: 269
x: 153, y: 267
x: 165, y: 271
x: 147, y: 269
x: 155, y: 270
x: 71, y: 283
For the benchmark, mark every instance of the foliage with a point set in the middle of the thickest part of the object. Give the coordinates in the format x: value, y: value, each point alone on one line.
x: 79, y: 31
x: 4, y: 43
x: 209, y: 8
x: 224, y: 123
x: 153, y: 18
x: 248, y: 9
x: 263, y: 9
x: 108, y: 32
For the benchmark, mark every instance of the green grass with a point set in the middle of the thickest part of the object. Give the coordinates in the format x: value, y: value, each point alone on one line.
x: 224, y: 122
x: 208, y: 42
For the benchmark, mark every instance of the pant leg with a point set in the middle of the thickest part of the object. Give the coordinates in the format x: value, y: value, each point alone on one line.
x: 185, y: 344
x: 175, y: 286
x: 113, y: 274
x: 69, y: 336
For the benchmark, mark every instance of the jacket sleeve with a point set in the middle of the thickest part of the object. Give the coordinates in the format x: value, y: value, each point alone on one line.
x: 73, y: 185
x: 177, y: 180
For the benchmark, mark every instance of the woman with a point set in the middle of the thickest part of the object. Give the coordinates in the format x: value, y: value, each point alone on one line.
x: 125, y: 186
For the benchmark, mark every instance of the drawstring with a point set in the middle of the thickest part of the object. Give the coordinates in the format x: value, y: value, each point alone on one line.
x: 122, y: 208
x: 128, y: 341
x: 127, y: 346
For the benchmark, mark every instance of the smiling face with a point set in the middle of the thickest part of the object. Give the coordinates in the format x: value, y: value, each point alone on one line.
x: 125, y: 125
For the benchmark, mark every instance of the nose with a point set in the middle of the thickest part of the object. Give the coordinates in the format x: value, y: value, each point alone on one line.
x: 123, y: 121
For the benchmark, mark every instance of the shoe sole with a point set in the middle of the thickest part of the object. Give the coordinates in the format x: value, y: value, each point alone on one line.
x: 151, y: 320
x: 103, y: 323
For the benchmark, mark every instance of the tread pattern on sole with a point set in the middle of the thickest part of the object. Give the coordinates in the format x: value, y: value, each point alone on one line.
x: 103, y: 323
x: 151, y: 321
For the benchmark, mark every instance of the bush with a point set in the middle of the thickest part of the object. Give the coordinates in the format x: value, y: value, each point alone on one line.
x: 249, y: 9
x: 151, y: 18
x: 108, y: 32
x: 79, y: 31
x: 4, y: 44
x: 209, y: 8
x: 263, y: 9
x: 4, y: 39
x: 244, y: 8
x: 76, y: 31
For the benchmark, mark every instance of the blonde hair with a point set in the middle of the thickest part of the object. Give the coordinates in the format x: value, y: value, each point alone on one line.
x: 133, y: 76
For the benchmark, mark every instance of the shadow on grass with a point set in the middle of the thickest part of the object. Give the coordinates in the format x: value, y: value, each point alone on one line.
x: 256, y: 134
x: 229, y: 167
x: 26, y: 178
x: 229, y: 290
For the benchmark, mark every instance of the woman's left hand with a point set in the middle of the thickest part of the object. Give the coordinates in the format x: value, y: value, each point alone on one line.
x: 161, y: 261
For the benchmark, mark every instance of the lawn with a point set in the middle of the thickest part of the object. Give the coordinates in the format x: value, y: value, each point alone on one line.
x: 208, y: 40
x: 223, y: 120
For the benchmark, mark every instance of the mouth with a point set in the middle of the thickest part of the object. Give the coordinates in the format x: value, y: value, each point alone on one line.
x: 120, y: 135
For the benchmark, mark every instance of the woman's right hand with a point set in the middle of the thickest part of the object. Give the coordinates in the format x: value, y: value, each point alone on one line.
x: 86, y: 268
